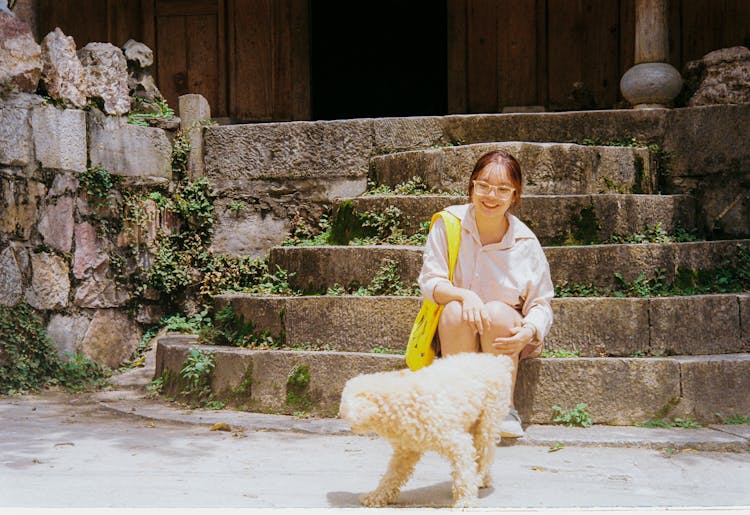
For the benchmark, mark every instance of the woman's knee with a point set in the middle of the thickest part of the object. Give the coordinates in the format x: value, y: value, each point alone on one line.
x: 503, y: 316
x: 452, y: 315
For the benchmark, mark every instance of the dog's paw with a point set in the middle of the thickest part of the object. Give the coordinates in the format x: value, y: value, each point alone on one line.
x: 486, y: 481
x: 466, y: 502
x: 376, y: 499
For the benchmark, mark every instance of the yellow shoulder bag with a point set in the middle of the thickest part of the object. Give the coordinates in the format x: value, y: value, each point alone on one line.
x: 419, y: 352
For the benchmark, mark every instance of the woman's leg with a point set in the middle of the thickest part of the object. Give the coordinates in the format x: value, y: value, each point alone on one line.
x: 455, y: 334
x: 503, y: 317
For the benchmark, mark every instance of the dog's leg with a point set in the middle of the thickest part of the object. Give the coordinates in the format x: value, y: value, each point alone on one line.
x: 485, y: 435
x: 399, y: 471
x: 459, y: 449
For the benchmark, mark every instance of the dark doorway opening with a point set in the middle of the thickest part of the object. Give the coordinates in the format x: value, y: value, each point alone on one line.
x: 378, y: 58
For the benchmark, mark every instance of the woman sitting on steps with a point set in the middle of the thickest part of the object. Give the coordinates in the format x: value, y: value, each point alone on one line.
x: 499, y: 301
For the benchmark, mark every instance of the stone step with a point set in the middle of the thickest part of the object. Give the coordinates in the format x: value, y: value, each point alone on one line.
x: 549, y: 168
x: 591, y: 218
x: 593, y: 326
x: 617, y: 391
x: 317, y: 268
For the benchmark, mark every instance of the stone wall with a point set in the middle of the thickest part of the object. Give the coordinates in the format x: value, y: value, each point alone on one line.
x: 58, y: 247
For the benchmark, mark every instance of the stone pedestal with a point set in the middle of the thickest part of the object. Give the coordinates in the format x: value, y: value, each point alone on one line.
x: 652, y: 82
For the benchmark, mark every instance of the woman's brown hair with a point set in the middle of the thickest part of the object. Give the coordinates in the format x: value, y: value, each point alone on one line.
x: 502, y: 160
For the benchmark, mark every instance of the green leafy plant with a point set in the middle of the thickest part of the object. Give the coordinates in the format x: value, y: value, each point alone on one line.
x: 687, y: 423
x: 575, y: 417
x: 98, y: 183
x: 140, y: 117
x: 733, y: 419
x: 29, y: 361
x: 196, y: 374
x: 387, y: 281
x: 386, y: 350
x: 180, y: 154
x: 414, y: 186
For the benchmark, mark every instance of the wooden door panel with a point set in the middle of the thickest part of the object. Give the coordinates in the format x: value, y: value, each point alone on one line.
x: 189, y: 50
x: 517, y: 66
x: 482, y: 53
x: 269, y: 63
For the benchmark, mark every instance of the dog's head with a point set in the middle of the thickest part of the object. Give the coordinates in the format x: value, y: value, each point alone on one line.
x: 359, y: 404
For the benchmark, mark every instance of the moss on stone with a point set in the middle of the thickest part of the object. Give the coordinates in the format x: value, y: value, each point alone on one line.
x: 296, y: 388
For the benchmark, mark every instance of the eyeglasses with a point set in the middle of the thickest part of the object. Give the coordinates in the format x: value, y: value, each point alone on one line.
x: 483, y: 188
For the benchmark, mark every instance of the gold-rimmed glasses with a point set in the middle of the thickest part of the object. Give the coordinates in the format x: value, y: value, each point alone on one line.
x: 502, y: 192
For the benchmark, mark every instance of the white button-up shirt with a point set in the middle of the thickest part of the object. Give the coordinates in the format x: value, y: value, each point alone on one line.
x: 514, y: 271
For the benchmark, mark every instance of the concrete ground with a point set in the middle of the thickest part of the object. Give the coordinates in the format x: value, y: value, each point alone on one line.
x: 119, y: 449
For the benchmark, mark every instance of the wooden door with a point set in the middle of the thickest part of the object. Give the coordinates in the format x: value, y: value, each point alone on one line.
x: 269, y: 60
x: 189, y: 50
x: 494, y: 54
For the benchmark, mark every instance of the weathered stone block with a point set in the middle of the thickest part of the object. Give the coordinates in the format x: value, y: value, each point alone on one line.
x: 597, y: 264
x: 700, y: 324
x: 56, y: 224
x: 67, y: 333
x: 744, y: 301
x: 707, y: 255
x: 599, y: 326
x: 111, y: 338
x: 408, y: 133
x: 194, y: 111
x: 18, y: 203
x: 63, y: 183
x: 714, y: 384
x: 237, y: 154
x: 267, y: 313
x: 101, y: 292
x: 247, y: 231
x: 317, y: 268
x: 618, y: 391
x: 11, y: 278
x: 548, y: 168
x: 354, y: 324
x: 16, y: 143
x: 20, y: 55
x: 391, y: 170
x: 50, y: 284
x: 126, y: 149
x: 723, y: 77
x: 327, y: 375
x: 90, y: 254
x: 627, y: 214
x: 60, y: 138
x: 233, y: 375
x: 106, y: 72
x: 62, y: 71
x: 707, y: 140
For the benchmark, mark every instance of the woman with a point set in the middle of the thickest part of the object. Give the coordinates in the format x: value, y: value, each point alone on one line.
x: 499, y: 300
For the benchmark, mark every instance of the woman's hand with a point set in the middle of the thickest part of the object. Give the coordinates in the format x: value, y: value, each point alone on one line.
x: 514, y: 344
x: 475, y: 313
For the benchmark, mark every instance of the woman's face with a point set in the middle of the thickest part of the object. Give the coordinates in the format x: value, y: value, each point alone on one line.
x: 493, y: 192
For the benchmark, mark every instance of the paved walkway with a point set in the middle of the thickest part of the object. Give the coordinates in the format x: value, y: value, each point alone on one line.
x: 120, y: 449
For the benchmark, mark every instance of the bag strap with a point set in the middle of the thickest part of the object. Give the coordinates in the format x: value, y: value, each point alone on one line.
x: 453, y: 233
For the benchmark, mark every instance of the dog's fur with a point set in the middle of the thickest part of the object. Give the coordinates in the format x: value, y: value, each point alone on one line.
x: 453, y: 407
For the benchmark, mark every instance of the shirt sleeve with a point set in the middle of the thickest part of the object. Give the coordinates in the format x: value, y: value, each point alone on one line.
x: 434, y: 261
x: 537, y: 309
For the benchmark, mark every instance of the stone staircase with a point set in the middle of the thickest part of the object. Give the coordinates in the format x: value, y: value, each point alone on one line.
x: 632, y: 359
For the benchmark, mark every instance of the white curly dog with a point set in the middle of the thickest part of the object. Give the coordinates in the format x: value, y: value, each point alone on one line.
x: 453, y: 407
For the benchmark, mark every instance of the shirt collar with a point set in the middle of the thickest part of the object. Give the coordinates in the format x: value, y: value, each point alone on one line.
x: 517, y: 230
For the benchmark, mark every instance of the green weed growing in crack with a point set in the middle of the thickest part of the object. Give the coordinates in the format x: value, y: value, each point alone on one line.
x: 575, y: 417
